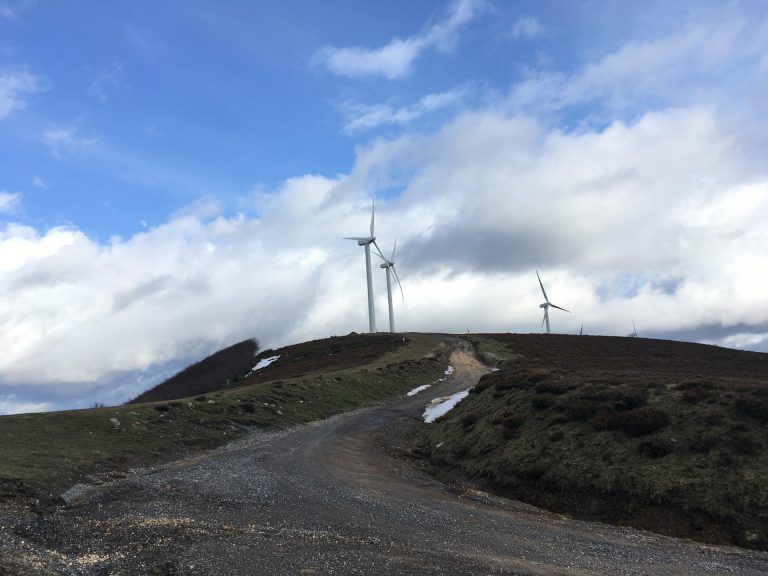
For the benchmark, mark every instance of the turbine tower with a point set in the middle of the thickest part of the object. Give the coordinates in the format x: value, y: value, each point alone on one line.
x: 546, y: 305
x: 367, y: 241
x: 389, y: 266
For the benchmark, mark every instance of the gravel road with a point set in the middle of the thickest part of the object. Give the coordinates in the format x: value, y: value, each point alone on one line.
x: 331, y: 497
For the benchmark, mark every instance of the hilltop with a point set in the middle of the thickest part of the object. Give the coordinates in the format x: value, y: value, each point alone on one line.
x: 662, y: 435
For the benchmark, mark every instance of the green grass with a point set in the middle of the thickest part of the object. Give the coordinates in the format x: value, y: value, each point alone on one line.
x: 41, y: 455
x: 620, y: 430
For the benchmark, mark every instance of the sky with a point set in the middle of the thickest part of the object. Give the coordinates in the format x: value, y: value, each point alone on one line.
x: 177, y: 176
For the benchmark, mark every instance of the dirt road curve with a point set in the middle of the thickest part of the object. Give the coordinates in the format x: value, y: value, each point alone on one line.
x: 328, y: 498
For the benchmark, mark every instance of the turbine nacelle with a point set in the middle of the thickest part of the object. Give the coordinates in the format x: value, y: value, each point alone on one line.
x: 362, y: 240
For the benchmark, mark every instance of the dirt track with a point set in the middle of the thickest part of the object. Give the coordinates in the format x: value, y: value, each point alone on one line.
x: 329, y: 498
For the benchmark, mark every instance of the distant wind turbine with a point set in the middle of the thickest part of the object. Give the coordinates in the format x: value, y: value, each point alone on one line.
x: 634, y: 330
x: 367, y: 241
x: 389, y: 266
x: 546, y: 305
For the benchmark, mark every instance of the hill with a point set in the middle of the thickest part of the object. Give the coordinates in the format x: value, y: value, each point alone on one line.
x: 42, y: 455
x: 661, y: 435
x: 213, y: 373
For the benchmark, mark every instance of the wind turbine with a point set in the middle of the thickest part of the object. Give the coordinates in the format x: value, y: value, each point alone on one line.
x: 367, y: 241
x: 547, y: 304
x: 634, y: 330
x: 389, y: 266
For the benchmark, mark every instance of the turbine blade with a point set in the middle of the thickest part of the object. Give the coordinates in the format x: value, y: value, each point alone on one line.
x: 378, y: 252
x: 543, y: 319
x: 402, y: 295
x: 634, y: 328
x: 373, y: 210
x: 542, y: 286
x: 559, y: 308
x: 581, y: 330
x: 392, y: 258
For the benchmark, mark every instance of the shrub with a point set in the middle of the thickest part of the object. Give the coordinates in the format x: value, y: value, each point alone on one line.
x: 635, y: 422
x: 703, y: 443
x: 755, y: 406
x: 582, y: 409
x: 162, y: 408
x: 543, y: 402
x: 202, y: 398
x: 630, y: 399
x: 556, y: 388
x: 469, y: 420
x: 556, y: 435
x: 656, y: 447
x: 248, y: 407
x: 484, y: 383
x: 532, y: 471
x: 695, y: 395
x: 511, y: 424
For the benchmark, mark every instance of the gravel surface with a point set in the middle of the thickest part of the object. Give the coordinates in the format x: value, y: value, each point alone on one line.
x: 331, y: 497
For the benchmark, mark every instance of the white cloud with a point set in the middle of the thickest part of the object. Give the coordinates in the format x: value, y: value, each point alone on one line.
x: 527, y: 27
x: 38, y: 183
x: 15, y: 86
x: 9, y: 202
x: 65, y: 141
x: 108, y: 80
x: 672, y: 69
x: 395, y: 59
x: 361, y: 117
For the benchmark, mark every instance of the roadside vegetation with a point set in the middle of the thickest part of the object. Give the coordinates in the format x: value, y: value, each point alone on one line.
x: 42, y: 455
x: 667, y: 436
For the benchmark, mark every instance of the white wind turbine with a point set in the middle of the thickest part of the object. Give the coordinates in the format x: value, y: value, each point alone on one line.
x: 389, y: 266
x: 546, y: 305
x: 367, y: 241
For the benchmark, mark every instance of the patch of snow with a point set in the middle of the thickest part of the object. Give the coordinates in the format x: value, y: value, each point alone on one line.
x: 418, y: 389
x: 449, y: 370
x: 265, y: 362
x: 433, y: 412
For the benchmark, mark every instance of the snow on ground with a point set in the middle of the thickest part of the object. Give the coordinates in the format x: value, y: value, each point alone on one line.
x: 449, y: 370
x: 419, y: 389
x: 434, y: 411
x: 265, y: 362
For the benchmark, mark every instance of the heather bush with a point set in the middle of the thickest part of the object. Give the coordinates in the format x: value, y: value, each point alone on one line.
x: 656, y: 447
x: 634, y: 422
x: 469, y: 420
x: 754, y: 405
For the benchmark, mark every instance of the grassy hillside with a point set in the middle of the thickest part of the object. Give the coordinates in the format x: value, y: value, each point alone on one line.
x: 41, y: 455
x: 663, y: 435
x: 210, y: 374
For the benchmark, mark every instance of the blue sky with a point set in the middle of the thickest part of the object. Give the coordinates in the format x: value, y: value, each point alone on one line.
x: 175, y: 176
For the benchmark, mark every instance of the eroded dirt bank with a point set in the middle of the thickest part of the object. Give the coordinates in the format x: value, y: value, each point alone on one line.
x: 329, y: 498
